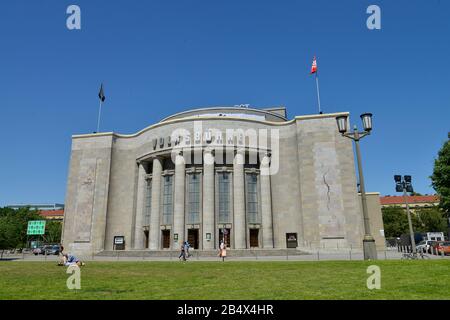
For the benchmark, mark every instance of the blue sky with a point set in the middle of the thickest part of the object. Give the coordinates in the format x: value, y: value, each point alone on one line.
x: 160, y: 57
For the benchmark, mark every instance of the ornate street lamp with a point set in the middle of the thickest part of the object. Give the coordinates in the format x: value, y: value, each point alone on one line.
x: 367, y: 121
x: 369, y: 247
x: 342, y: 124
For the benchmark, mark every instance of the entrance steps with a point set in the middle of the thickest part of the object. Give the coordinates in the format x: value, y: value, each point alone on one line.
x: 201, y: 253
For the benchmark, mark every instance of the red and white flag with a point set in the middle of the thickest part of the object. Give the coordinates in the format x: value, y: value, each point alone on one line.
x: 314, y: 66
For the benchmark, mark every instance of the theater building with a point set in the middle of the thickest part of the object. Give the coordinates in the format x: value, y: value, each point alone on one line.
x: 249, y: 177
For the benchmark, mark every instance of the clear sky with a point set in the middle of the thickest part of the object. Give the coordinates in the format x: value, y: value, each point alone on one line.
x: 160, y: 57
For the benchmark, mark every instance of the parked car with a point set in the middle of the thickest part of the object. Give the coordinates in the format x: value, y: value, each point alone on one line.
x: 38, y: 250
x: 442, y: 247
x: 425, y: 246
x: 52, y: 250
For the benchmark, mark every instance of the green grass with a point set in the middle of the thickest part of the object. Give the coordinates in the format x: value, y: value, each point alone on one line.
x: 230, y: 280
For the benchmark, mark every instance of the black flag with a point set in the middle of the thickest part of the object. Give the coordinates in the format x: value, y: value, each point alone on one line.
x: 101, y: 94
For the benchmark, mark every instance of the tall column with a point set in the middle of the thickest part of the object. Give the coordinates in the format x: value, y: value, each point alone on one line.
x: 155, y: 233
x: 266, y: 202
x: 239, y: 201
x: 141, y: 188
x: 178, y: 209
x: 208, y: 199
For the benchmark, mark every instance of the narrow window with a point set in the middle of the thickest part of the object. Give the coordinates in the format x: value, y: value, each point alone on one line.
x: 167, y: 200
x: 194, y: 198
x: 224, y: 197
x: 252, y: 198
x: 148, y: 203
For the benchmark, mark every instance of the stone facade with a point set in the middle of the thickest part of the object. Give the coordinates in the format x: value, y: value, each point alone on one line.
x: 247, y: 176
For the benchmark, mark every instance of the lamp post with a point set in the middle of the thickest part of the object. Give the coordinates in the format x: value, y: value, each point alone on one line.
x: 369, y: 248
x: 405, y: 186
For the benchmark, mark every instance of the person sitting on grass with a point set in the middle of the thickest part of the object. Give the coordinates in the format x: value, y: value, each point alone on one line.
x: 69, y: 260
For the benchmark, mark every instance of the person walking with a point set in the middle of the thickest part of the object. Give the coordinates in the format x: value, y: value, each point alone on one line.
x: 182, y: 253
x: 187, y: 246
x: 222, y: 250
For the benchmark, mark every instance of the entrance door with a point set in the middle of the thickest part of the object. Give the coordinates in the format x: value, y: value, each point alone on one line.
x: 225, y: 233
x: 254, y: 241
x: 193, y: 238
x: 146, y: 239
x: 291, y: 240
x: 166, y: 239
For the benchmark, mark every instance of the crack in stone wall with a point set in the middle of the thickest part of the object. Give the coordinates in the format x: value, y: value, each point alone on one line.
x: 328, y: 189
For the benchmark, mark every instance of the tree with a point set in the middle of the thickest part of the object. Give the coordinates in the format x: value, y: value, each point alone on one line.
x: 13, y: 227
x: 53, y: 231
x: 441, y: 177
x: 432, y: 220
x: 395, y: 222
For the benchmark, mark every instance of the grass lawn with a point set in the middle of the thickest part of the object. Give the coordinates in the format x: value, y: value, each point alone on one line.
x: 229, y: 280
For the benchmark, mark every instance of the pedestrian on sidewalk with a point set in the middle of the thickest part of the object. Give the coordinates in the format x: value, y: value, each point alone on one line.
x: 182, y: 255
x: 222, y: 250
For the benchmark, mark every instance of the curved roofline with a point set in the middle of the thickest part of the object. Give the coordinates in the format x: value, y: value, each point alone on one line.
x: 226, y: 108
x: 159, y: 124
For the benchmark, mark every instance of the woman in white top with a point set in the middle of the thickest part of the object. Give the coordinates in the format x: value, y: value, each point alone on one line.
x: 222, y: 250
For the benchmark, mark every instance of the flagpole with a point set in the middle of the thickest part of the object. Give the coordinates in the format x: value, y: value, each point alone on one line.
x: 318, y: 92
x: 99, y: 115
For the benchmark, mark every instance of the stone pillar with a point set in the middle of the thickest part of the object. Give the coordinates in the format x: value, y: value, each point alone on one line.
x: 208, y: 200
x: 140, y: 207
x: 178, y: 208
x: 155, y: 232
x: 266, y: 202
x: 239, y: 201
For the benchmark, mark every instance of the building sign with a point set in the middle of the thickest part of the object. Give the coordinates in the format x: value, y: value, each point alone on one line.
x: 119, y: 240
x: 36, y: 227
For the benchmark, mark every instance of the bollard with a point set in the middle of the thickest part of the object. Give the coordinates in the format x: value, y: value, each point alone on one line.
x: 350, y: 254
x: 385, y: 255
x: 318, y: 255
x: 117, y: 255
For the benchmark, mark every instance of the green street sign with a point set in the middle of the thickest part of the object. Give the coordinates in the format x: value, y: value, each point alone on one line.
x: 36, y: 227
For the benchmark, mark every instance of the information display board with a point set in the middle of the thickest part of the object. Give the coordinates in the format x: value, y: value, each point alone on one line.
x: 36, y: 227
